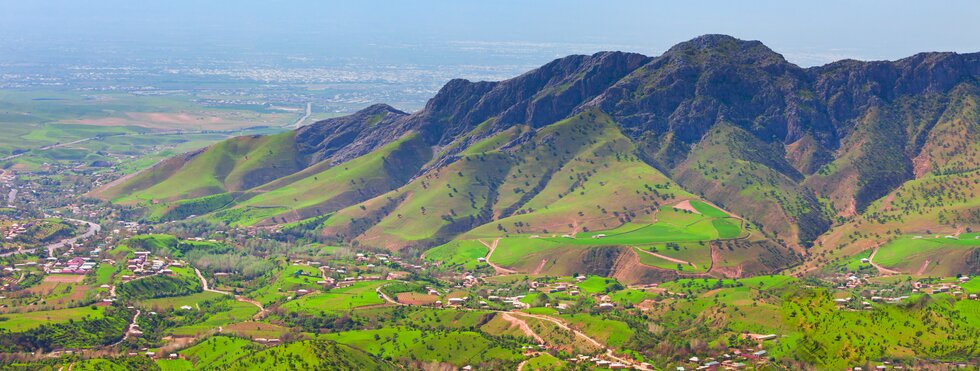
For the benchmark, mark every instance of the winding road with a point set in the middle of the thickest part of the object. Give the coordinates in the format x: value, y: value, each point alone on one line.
x: 882, y: 270
x: 130, y: 330
x: 493, y: 246
x: 93, y: 228
x: 205, y: 287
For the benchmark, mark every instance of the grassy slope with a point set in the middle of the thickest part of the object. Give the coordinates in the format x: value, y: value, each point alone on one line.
x: 323, y: 188
x: 232, y: 165
x: 458, y: 348
x: 749, y: 177
x: 568, y: 176
x: 932, y: 204
x: 934, y: 256
x: 311, y: 354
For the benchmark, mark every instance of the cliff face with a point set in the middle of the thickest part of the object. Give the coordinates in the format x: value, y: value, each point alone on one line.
x: 731, y: 120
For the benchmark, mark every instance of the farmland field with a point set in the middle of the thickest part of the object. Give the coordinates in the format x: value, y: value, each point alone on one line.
x: 17, y: 322
x: 339, y: 299
x: 929, y: 255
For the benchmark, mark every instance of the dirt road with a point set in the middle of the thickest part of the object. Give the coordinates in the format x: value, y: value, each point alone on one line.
x: 500, y: 270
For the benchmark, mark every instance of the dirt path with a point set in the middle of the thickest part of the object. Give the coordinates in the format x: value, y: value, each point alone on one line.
x: 922, y: 269
x: 204, y: 285
x: 523, y: 326
x: 130, y: 330
x: 609, y: 352
x: 540, y: 266
x: 882, y: 270
x: 562, y: 326
x: 500, y: 270
x: 667, y: 258
x: 262, y: 310
x: 386, y: 297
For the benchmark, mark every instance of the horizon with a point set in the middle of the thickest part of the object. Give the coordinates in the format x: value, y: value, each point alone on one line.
x: 439, y: 32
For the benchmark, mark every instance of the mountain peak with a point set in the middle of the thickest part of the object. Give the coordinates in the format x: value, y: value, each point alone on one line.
x: 710, y: 45
x: 379, y: 108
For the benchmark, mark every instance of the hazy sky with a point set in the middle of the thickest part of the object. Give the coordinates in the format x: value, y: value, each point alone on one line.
x: 807, y: 34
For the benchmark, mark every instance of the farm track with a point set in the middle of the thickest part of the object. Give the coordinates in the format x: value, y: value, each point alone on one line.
x: 204, y: 286
x: 385, y: 297
x: 922, y: 269
x: 523, y: 326
x: 512, y: 315
x: 667, y: 258
x: 500, y: 270
x: 129, y: 330
x: 882, y: 270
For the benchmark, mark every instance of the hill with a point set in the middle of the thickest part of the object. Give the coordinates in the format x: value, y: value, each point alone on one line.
x: 805, y: 157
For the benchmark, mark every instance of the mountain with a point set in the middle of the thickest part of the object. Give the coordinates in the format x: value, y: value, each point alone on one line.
x: 802, y: 156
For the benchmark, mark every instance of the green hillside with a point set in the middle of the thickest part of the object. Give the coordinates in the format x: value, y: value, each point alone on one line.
x: 232, y: 165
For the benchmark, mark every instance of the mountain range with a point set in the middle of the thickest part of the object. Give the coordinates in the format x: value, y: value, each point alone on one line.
x: 819, y: 163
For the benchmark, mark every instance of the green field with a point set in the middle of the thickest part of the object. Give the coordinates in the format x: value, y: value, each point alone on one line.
x: 683, y: 229
x: 319, y: 354
x: 290, y: 278
x: 610, y: 332
x: 939, y: 256
x: 18, y: 322
x: 237, y: 312
x: 215, y: 352
x: 176, y: 302
x: 458, y: 348
x: 462, y: 253
x: 338, y: 300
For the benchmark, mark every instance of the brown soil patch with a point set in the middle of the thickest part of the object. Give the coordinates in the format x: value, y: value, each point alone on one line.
x: 415, y: 298
x: 540, y: 267
x: 922, y: 269
x: 686, y: 205
x: 886, y: 204
x: 256, y: 330
x: 920, y: 164
x: 645, y: 305
x: 523, y: 326
x: 64, y: 278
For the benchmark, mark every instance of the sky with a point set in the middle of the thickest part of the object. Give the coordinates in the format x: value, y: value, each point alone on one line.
x: 806, y: 33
